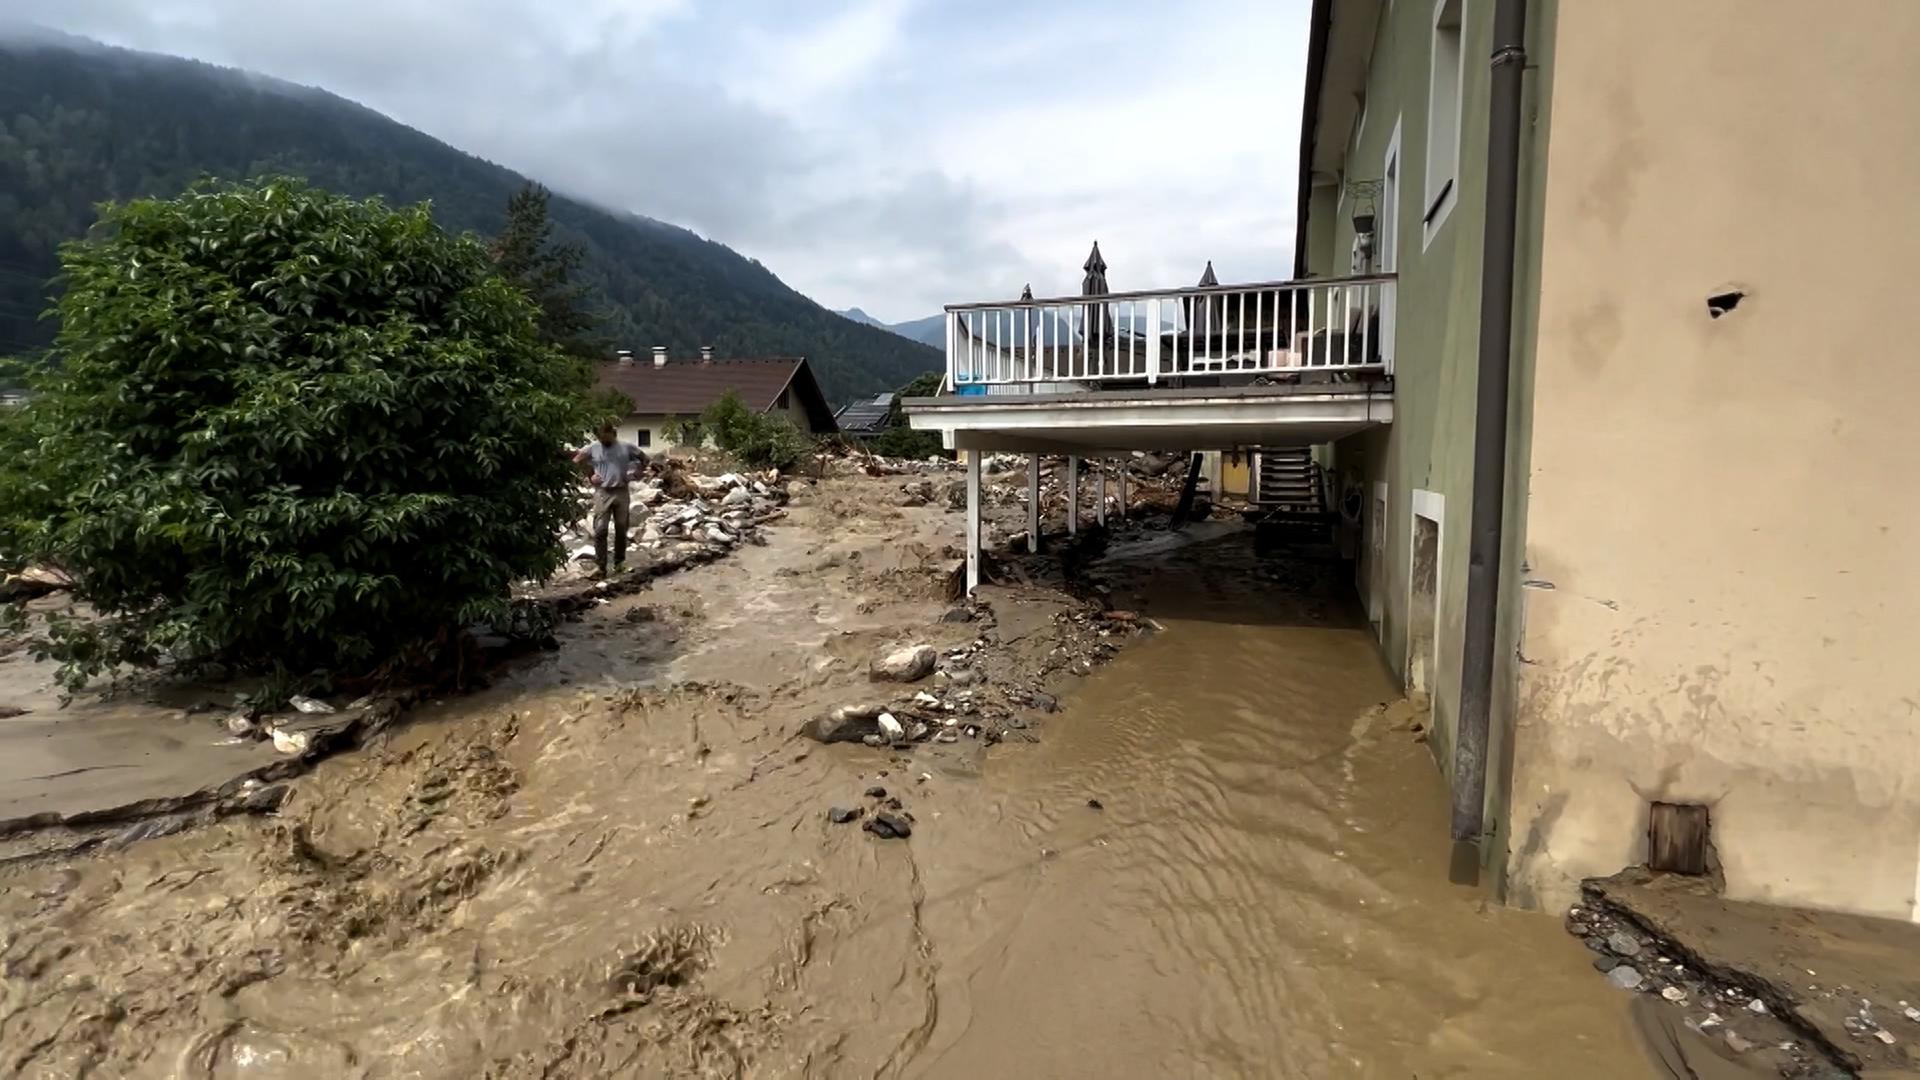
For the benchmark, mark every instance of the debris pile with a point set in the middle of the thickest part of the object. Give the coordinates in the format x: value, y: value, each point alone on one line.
x: 1715, y: 1008
x: 709, y: 517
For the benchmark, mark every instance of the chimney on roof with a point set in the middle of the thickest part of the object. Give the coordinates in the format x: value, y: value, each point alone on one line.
x: 625, y: 356
x: 706, y: 352
x: 659, y: 356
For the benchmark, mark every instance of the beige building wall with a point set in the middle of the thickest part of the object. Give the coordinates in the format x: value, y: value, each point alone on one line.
x: 1722, y: 534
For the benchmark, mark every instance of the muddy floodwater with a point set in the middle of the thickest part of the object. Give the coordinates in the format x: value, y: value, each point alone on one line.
x: 1224, y: 856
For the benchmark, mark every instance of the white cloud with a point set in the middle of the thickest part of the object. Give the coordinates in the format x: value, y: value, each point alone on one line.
x: 890, y: 154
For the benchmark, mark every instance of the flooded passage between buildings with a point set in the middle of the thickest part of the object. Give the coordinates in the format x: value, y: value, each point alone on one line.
x: 1225, y: 856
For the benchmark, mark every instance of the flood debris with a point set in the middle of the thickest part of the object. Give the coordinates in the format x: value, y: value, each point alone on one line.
x: 907, y: 664
x: 1645, y: 946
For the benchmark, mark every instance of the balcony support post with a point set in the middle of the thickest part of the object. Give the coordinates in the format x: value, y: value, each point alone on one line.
x: 1033, y: 504
x: 973, y: 520
x: 1073, y: 496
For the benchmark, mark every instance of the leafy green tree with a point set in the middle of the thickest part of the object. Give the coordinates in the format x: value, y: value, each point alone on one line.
x: 754, y: 438
x: 900, y: 440
x: 285, y: 429
x: 527, y: 254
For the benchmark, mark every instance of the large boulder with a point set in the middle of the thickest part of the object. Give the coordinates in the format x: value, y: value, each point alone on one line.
x: 848, y: 723
x: 908, y: 664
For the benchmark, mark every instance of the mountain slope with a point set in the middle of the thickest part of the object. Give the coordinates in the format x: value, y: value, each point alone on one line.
x: 861, y: 317
x: 931, y: 330
x: 82, y: 123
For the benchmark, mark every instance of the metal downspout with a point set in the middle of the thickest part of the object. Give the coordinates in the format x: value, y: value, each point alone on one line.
x: 1490, y: 423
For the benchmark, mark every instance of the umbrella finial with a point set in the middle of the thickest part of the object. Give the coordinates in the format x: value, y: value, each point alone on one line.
x: 1207, y: 279
x: 1095, y: 264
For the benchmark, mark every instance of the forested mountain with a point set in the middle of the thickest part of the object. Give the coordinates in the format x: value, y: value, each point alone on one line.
x: 81, y: 123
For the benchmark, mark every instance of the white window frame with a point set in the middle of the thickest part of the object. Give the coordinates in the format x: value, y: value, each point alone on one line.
x: 1433, y: 506
x: 1440, y: 191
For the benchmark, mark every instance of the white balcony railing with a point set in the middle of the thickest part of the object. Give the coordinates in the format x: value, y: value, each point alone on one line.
x: 1277, y: 328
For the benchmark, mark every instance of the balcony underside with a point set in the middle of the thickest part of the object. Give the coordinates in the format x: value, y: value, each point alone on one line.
x: 1092, y: 422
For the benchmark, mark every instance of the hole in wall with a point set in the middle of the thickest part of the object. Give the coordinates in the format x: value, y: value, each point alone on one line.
x: 1723, y: 303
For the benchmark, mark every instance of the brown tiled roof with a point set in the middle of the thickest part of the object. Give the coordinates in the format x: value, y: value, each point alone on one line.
x: 686, y: 387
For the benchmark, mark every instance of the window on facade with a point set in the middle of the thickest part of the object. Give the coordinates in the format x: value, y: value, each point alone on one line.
x: 782, y: 403
x: 643, y: 437
x: 1443, y: 115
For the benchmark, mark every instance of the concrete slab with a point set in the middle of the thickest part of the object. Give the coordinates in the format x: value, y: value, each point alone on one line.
x: 1848, y: 981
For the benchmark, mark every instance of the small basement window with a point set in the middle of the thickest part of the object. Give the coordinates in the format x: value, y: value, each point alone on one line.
x: 643, y: 437
x: 1445, y: 89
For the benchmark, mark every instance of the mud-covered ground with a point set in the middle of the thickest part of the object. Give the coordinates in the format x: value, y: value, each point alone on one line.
x: 523, y: 881
x: 1209, y: 840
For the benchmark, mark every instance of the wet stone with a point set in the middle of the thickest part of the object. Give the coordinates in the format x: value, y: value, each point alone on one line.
x: 840, y: 815
x: 265, y: 800
x: 957, y: 615
x: 1623, y: 943
x: 910, y: 664
x: 1095, y: 804
x: 876, y: 792
x: 1626, y: 977
x: 1604, y: 964
x: 888, y: 825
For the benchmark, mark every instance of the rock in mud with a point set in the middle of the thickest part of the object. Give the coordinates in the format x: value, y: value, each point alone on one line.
x: 310, y: 706
x: 848, y: 723
x: 891, y: 728
x: 241, y: 725
x: 1623, y: 943
x: 840, y: 815
x: 957, y: 615
x: 1626, y: 977
x: 888, y: 825
x: 876, y: 792
x: 962, y: 676
x: 266, y: 799
x: 910, y: 664
x: 292, y: 742
x: 1095, y: 804
x: 1043, y: 701
x: 641, y: 615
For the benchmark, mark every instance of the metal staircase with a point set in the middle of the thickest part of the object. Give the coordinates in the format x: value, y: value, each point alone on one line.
x: 1290, y: 508
x: 1287, y: 480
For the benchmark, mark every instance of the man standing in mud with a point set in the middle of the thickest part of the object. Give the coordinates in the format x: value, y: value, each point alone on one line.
x: 610, y: 465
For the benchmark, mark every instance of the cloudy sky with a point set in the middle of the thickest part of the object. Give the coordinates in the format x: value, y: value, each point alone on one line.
x: 890, y: 154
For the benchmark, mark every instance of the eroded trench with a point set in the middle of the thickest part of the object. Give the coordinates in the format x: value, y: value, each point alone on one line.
x: 1225, y: 855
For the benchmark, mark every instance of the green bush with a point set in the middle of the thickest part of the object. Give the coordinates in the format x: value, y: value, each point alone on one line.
x: 753, y: 438
x: 900, y: 441
x: 683, y: 432
x: 285, y: 429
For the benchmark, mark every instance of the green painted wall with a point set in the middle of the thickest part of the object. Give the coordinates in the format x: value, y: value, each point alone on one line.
x: 1430, y: 443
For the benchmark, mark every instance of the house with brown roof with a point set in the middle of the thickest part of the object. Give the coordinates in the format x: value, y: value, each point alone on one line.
x: 664, y: 390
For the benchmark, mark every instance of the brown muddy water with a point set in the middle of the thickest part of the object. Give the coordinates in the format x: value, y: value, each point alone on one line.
x: 619, y: 863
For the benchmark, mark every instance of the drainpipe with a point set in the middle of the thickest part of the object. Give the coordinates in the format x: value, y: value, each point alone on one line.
x: 1490, y: 423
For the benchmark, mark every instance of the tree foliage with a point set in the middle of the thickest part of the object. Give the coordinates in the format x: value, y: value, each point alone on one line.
x: 754, y: 438
x: 543, y: 268
x: 285, y: 428
x: 899, y: 439
x: 81, y: 124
